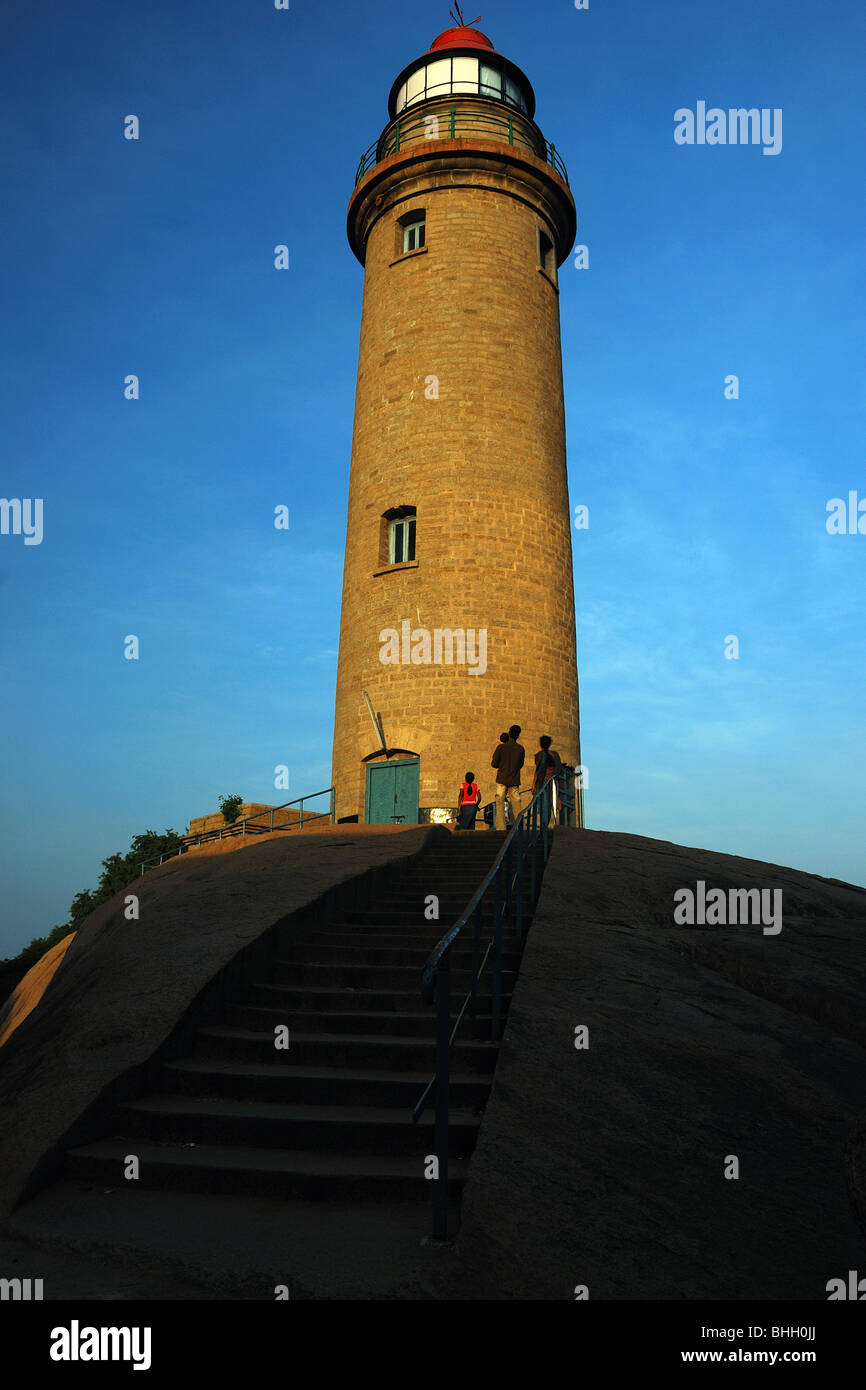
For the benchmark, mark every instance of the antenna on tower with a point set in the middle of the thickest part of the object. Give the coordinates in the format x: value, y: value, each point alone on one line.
x: 458, y: 17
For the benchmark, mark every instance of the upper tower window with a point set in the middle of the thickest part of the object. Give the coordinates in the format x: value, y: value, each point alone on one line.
x: 546, y: 254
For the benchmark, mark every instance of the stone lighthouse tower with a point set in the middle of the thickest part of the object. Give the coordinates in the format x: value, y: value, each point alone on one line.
x: 458, y: 600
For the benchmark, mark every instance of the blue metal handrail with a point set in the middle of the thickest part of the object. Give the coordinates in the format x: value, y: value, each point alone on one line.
x: 240, y: 827
x: 568, y: 807
x: 458, y: 123
x: 507, y: 879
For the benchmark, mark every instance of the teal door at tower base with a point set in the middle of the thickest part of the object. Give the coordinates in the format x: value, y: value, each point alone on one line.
x: 392, y: 793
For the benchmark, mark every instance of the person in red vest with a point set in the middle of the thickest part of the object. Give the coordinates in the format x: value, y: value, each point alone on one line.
x: 468, y: 801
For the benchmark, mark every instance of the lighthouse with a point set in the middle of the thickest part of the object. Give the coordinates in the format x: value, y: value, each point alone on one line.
x: 458, y: 598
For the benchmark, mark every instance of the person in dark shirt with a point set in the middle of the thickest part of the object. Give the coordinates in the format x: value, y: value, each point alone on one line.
x: 547, y: 764
x: 508, y: 759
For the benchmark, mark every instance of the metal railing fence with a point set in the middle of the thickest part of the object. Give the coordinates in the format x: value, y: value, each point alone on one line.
x: 512, y: 887
x: 247, y: 826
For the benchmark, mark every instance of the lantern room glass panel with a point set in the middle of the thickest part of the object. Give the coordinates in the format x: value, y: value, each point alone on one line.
x: 439, y: 78
x: 491, y: 81
x: 513, y: 94
x: 415, y: 86
x: 465, y: 77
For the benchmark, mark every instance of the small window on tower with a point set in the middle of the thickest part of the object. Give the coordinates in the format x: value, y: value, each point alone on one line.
x: 402, y: 540
x: 397, y: 536
x: 414, y: 229
x: 546, y: 254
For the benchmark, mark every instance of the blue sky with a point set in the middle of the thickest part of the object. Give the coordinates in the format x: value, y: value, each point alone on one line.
x: 707, y: 515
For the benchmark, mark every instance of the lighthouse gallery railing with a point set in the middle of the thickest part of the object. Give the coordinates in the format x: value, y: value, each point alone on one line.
x: 512, y: 885
x: 457, y: 123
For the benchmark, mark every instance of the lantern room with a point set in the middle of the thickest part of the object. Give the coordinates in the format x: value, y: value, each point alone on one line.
x: 462, y: 62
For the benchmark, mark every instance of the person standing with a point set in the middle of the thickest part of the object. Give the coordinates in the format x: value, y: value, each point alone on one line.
x: 508, y: 759
x: 469, y: 799
x: 547, y: 766
x: 503, y: 738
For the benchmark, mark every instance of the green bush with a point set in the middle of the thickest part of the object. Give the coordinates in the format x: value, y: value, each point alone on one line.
x: 230, y: 805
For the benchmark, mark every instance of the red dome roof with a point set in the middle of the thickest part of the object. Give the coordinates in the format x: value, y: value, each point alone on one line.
x: 462, y: 37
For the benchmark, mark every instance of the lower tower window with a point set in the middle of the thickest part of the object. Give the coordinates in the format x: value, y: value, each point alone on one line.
x: 397, y: 535
x: 401, y: 545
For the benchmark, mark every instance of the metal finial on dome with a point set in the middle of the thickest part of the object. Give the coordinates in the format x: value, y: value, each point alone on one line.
x: 457, y: 15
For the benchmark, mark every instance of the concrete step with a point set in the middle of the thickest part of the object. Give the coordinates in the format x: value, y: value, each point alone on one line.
x: 424, y: 935
x: 350, y: 937
x: 315, y: 1128
x: 350, y: 1085
x: 403, y: 1053
x: 255, y: 1172
x: 283, y: 1000
x: 486, y: 844
x: 455, y: 877
x: 415, y: 932
x: 410, y: 915
x: 288, y: 1002
x: 340, y: 975
x: 348, y: 1019
x: 376, y: 957
x: 391, y: 936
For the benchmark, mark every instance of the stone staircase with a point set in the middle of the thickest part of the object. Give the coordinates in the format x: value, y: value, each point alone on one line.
x: 328, y: 1118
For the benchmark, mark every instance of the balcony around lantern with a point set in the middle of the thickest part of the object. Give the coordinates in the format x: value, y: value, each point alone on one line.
x: 441, y: 118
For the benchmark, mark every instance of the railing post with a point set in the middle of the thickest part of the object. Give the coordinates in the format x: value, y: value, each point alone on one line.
x: 518, y: 909
x: 453, y: 121
x: 545, y: 817
x: 333, y: 805
x: 443, y: 1018
x: 476, y: 961
x: 272, y: 818
x: 533, y: 852
x: 497, y: 957
x: 301, y: 814
x: 510, y: 129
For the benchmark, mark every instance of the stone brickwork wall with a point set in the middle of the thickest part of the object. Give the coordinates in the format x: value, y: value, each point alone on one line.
x: 199, y: 825
x: 484, y: 466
